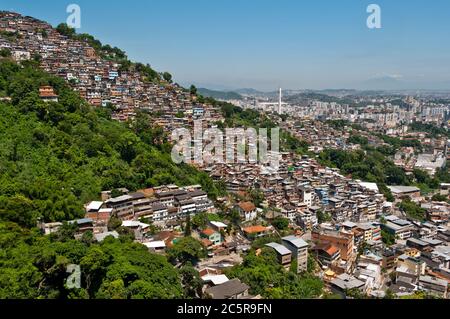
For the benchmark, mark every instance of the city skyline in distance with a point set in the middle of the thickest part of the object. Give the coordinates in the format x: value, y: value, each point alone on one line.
x: 266, y: 44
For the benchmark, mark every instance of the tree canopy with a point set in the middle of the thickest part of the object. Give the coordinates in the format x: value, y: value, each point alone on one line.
x: 268, y: 278
x: 33, y: 266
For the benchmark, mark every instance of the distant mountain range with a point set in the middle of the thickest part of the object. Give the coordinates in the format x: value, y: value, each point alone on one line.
x: 219, y: 95
x: 374, y: 87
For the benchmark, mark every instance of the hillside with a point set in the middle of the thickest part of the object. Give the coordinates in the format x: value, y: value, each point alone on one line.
x: 54, y: 157
x: 57, y: 156
x: 220, y: 95
x: 103, y: 75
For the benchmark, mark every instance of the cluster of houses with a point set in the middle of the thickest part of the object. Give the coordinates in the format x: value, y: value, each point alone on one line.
x: 301, y: 188
x: 349, y: 245
x: 353, y: 256
x: 166, y: 207
x: 100, y: 80
x: 321, y: 136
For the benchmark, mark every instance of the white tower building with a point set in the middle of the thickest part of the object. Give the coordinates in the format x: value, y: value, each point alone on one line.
x: 279, y: 103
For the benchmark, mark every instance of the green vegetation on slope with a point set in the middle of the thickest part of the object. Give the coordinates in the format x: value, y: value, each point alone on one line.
x: 432, y: 130
x: 35, y: 267
x: 412, y: 210
x: 371, y: 165
x: 267, y: 277
x: 54, y: 157
x: 368, y: 166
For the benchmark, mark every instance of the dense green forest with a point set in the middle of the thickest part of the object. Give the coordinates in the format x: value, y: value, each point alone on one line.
x: 33, y: 266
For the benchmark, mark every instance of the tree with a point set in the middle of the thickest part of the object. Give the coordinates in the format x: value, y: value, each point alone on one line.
x: 281, y: 223
x: 5, y: 53
x: 389, y: 294
x: 113, y: 290
x: 193, y: 90
x: 267, y: 277
x: 256, y: 196
x: 116, y: 193
x: 167, y: 77
x: 388, y: 238
x: 200, y: 221
x: 312, y: 264
x: 114, y: 223
x: 235, y: 216
x: 64, y: 29
x: 262, y: 241
x: 88, y: 238
x: 185, y: 250
x: 386, y: 192
x: 358, y: 139
x: 412, y: 210
x: 294, y: 266
x: 188, y: 228
x: 439, y: 198
x: 179, y: 115
x: 191, y: 282
x: 19, y: 209
x: 323, y: 217
x: 355, y: 293
x: 66, y: 232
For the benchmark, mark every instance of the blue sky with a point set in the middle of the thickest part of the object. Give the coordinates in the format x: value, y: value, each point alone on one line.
x: 264, y: 44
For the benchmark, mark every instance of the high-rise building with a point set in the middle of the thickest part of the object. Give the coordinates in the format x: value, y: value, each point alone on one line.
x: 299, y: 249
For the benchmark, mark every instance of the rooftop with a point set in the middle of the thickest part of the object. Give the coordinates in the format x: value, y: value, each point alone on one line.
x: 119, y: 199
x: 227, y: 290
x: 297, y: 242
x: 218, y: 224
x: 247, y: 206
x: 94, y: 206
x: 155, y: 244
x: 345, y: 281
x: 102, y: 236
x: 255, y: 229
x: 279, y: 248
x: 208, y: 232
x: 403, y: 189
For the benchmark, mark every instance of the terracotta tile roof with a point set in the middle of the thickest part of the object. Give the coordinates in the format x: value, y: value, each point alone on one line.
x: 255, y: 229
x: 247, y: 206
x: 331, y: 250
x: 208, y: 232
x: 46, y: 91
